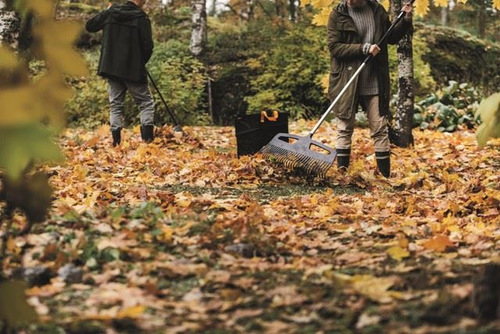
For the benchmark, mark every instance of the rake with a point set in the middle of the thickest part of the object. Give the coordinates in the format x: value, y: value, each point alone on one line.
x: 177, y: 126
x: 302, y: 151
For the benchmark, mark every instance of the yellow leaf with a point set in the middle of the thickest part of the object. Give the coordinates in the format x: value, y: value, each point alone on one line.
x: 441, y: 3
x: 58, y: 47
x: 321, y: 19
x: 375, y: 288
x: 398, y: 253
x: 42, y: 7
x: 422, y: 7
x: 496, y: 4
x: 131, y: 312
x: 7, y: 58
x: 320, y: 4
x: 385, y: 4
x: 167, y: 234
x: 489, y: 110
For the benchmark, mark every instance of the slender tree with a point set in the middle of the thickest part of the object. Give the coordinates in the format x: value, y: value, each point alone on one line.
x: 199, y: 27
x: 401, y: 132
x: 9, y: 26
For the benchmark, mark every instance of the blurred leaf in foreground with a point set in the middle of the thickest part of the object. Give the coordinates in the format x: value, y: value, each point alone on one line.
x: 489, y: 110
x: 22, y: 144
x: 14, y: 309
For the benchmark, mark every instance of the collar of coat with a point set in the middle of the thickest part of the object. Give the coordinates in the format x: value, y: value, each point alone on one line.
x: 342, y: 6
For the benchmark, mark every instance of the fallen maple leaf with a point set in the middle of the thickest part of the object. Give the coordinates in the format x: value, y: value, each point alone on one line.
x: 131, y: 312
x: 398, y: 253
x: 439, y: 243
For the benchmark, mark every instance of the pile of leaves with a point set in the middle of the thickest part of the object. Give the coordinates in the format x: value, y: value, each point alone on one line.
x: 182, y: 236
x: 451, y: 109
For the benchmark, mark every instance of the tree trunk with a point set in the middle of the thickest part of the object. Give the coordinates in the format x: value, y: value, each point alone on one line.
x: 10, y: 25
x: 444, y: 15
x: 402, y: 135
x: 293, y: 10
x: 199, y: 27
x: 481, y: 20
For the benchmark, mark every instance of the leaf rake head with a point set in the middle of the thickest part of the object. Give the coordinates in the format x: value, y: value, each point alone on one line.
x: 300, y: 151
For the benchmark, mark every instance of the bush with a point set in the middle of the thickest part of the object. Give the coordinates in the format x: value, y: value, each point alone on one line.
x: 181, y: 79
x: 451, y: 109
x: 459, y: 56
x: 89, y: 106
x: 291, y: 72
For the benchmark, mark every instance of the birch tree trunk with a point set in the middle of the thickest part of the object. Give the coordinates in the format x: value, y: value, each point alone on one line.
x: 402, y: 135
x: 10, y: 24
x: 444, y: 16
x: 198, y: 27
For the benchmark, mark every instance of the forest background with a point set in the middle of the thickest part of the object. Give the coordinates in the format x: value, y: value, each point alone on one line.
x: 183, y: 236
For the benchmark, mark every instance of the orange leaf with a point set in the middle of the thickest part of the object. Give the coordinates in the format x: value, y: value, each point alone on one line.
x: 438, y: 243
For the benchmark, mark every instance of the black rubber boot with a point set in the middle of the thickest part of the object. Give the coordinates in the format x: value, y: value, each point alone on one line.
x: 147, y: 133
x: 343, y: 158
x: 384, y: 163
x: 117, y: 136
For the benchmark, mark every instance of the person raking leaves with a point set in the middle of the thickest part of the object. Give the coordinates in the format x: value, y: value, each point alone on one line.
x: 354, y: 27
x: 127, y: 45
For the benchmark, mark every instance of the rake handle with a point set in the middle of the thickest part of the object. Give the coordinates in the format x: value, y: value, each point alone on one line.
x: 360, y: 68
x: 172, y: 115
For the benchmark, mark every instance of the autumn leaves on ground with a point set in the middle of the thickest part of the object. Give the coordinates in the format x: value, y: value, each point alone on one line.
x: 180, y: 236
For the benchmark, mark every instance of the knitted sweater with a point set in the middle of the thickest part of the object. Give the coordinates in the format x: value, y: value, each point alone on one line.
x: 365, y: 24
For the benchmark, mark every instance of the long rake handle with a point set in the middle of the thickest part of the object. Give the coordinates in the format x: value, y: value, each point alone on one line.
x: 172, y: 115
x: 360, y: 68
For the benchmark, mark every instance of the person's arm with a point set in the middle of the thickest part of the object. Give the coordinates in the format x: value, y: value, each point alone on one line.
x: 403, y: 26
x: 146, y: 36
x: 337, y: 47
x: 97, y: 22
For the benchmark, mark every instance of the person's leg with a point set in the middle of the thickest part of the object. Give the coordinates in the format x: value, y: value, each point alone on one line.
x: 379, y: 133
x: 144, y: 100
x: 116, y: 92
x: 345, y: 129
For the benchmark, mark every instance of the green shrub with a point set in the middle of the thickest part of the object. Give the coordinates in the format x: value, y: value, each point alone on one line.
x: 181, y: 79
x: 89, y: 105
x: 450, y: 109
x: 290, y: 74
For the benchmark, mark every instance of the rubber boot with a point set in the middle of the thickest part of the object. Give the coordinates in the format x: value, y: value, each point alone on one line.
x: 117, y: 137
x: 384, y: 163
x: 343, y: 158
x: 147, y: 133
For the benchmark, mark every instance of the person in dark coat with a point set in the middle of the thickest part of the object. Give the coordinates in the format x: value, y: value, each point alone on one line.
x: 127, y: 45
x: 354, y: 28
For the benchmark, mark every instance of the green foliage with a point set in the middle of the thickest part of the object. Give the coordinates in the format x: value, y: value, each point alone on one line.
x: 88, y: 106
x: 459, y: 56
x: 24, y: 143
x: 181, y: 79
x: 179, y: 76
x: 489, y: 111
x: 449, y: 110
x: 32, y: 111
x: 290, y: 74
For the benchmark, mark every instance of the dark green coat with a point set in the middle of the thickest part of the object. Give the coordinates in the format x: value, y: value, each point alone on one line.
x: 346, y: 56
x: 127, y: 42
